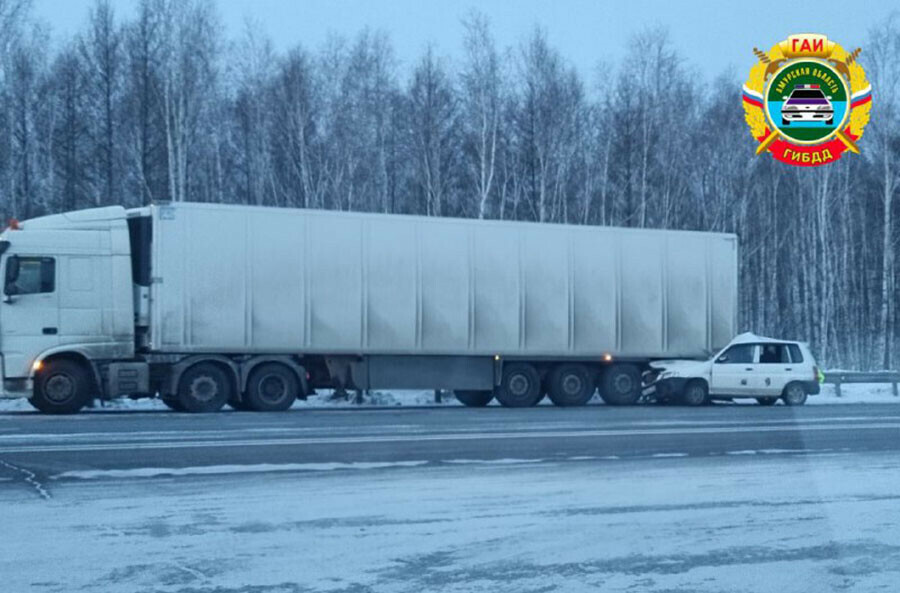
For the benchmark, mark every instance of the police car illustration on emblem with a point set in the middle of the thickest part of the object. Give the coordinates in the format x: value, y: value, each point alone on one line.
x: 807, y: 103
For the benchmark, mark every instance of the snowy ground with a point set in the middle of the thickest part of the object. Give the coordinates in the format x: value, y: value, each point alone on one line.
x: 852, y: 394
x: 743, y: 523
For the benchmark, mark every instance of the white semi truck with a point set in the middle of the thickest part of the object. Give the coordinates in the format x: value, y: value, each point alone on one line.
x: 204, y: 305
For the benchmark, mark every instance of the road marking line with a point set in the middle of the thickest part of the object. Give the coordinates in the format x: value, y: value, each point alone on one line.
x: 123, y: 445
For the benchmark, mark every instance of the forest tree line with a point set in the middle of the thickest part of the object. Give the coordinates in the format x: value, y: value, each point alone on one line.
x: 162, y: 106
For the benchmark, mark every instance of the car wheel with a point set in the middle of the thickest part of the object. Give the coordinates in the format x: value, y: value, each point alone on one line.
x: 794, y: 395
x: 830, y: 122
x: 61, y: 387
x: 272, y: 387
x: 621, y: 385
x: 785, y: 122
x: 204, y: 387
x: 766, y: 401
x: 695, y: 393
x: 571, y: 385
x: 474, y: 399
x: 520, y: 386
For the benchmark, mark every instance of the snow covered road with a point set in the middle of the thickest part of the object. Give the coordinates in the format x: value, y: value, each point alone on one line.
x: 766, y: 522
x: 727, y: 498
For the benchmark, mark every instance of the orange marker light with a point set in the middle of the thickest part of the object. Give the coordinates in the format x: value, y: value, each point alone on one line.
x: 607, y: 357
x: 38, y: 365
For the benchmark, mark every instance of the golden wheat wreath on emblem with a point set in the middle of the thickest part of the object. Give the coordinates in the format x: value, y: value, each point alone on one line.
x: 807, y: 100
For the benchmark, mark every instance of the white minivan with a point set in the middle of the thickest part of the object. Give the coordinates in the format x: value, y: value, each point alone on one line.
x: 750, y: 366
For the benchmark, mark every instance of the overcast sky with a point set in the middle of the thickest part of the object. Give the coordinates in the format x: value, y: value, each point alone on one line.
x: 711, y: 35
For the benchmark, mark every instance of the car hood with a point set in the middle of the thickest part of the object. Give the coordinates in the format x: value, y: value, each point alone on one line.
x: 677, y: 368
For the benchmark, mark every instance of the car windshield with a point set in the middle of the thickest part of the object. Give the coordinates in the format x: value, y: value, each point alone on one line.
x: 807, y: 94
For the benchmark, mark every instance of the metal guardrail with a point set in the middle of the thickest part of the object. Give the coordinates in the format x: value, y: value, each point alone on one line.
x: 837, y: 378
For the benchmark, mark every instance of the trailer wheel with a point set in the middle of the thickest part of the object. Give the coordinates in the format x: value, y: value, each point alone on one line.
x: 695, y: 393
x: 794, y: 395
x: 272, y: 387
x: 766, y: 401
x: 204, y: 387
x: 621, y: 385
x: 238, y: 404
x: 571, y: 385
x: 520, y: 386
x: 62, y: 387
x: 474, y: 399
x: 172, y: 403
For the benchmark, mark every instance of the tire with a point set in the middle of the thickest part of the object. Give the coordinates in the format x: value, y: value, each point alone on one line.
x: 204, y: 388
x: 62, y: 387
x: 520, y: 386
x: 794, y: 395
x: 830, y: 122
x: 621, y: 385
x: 766, y: 401
x: 695, y: 393
x: 785, y: 122
x: 237, y: 404
x: 474, y: 399
x: 571, y: 385
x: 272, y: 387
x: 172, y: 403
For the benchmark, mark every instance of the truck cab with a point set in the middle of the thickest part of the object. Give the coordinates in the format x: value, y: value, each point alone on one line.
x: 67, y: 303
x: 750, y: 366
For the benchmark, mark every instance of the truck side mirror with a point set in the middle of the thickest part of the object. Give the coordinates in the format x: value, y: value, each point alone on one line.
x: 12, y: 274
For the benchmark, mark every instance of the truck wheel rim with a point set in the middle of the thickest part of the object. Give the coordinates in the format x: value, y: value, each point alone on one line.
x: 204, y: 389
x: 572, y: 384
x: 518, y: 385
x: 59, y: 388
x: 623, y: 384
x: 272, y: 388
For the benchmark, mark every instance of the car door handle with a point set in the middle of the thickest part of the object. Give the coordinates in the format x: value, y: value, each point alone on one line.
x: 49, y: 331
x: 789, y: 369
x: 748, y: 369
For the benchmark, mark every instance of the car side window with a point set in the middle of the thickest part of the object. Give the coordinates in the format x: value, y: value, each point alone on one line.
x: 35, y: 275
x: 737, y: 354
x: 773, y: 354
x: 796, y: 355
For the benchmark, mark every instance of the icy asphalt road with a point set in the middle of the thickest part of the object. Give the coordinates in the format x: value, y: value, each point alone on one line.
x: 724, y: 498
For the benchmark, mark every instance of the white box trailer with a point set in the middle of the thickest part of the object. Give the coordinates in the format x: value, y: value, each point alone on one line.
x: 257, y: 306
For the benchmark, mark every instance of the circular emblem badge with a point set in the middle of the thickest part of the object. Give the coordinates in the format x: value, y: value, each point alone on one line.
x: 807, y: 100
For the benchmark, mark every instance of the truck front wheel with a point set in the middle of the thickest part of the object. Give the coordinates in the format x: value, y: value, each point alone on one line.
x: 204, y: 387
x: 621, y: 385
x: 474, y: 399
x: 61, y: 387
x: 272, y: 387
x: 571, y: 385
x: 520, y: 386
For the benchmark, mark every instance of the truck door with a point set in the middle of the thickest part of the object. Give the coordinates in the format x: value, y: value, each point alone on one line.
x: 29, y: 313
x: 734, y: 371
